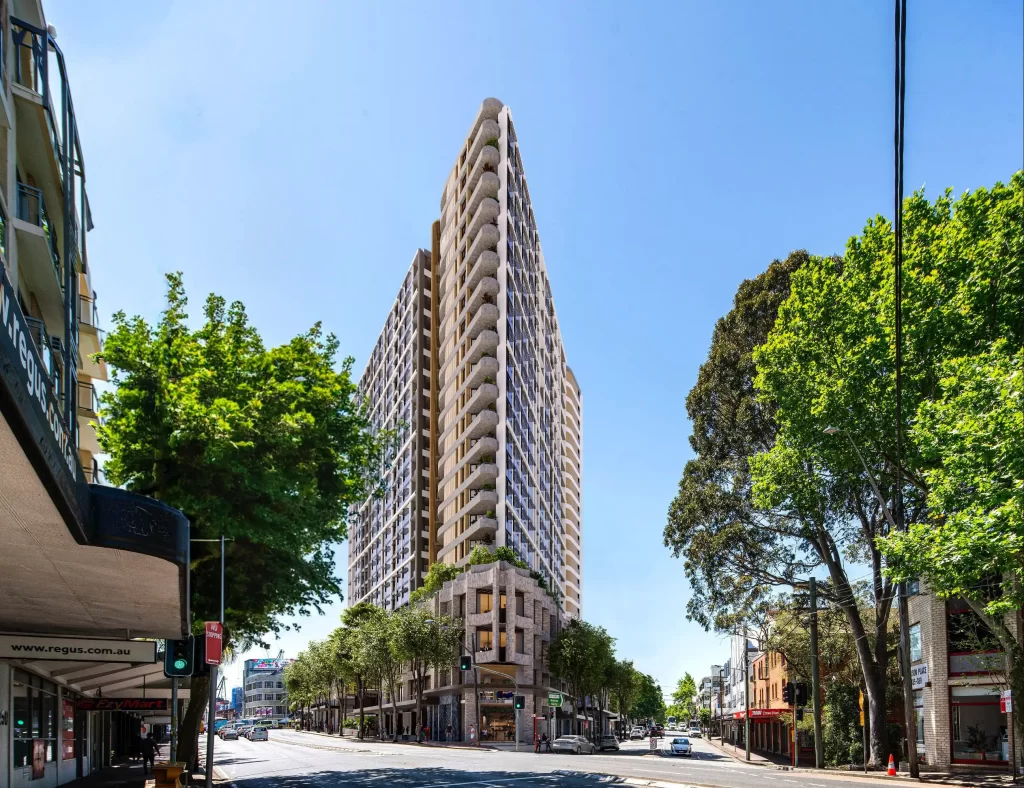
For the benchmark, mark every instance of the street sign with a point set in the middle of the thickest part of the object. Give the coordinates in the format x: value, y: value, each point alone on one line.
x: 555, y: 699
x: 860, y: 702
x: 919, y: 676
x: 214, y: 642
x: 1006, y: 702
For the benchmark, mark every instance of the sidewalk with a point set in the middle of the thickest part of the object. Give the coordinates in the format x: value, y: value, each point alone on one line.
x: 768, y: 760
x: 125, y: 774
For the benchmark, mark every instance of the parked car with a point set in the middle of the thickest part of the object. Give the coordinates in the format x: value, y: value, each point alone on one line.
x: 608, y: 742
x: 259, y: 733
x: 636, y: 733
x: 574, y: 744
x: 228, y: 732
x: 682, y: 747
x: 695, y: 733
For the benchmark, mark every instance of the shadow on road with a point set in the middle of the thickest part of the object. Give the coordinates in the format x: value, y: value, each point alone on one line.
x: 426, y: 778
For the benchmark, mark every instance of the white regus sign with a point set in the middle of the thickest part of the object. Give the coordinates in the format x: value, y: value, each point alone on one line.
x: 32, y: 647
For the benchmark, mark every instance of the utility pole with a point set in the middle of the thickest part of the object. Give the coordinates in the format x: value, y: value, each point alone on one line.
x: 174, y: 719
x: 476, y: 691
x: 746, y: 691
x: 819, y: 754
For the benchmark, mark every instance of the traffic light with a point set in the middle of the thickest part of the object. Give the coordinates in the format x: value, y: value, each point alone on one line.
x: 799, y: 715
x: 801, y: 694
x: 787, y: 694
x: 465, y: 662
x: 180, y: 657
x: 519, y: 701
x: 201, y: 668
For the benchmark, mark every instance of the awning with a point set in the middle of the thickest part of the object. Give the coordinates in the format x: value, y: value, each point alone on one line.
x: 49, y: 583
x: 111, y: 679
x: 761, y: 714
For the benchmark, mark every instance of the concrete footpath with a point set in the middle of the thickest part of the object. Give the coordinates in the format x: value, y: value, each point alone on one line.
x: 772, y: 761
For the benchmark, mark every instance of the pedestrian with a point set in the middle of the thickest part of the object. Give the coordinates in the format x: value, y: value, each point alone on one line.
x: 150, y: 749
x: 547, y: 743
x: 536, y: 743
x: 448, y: 733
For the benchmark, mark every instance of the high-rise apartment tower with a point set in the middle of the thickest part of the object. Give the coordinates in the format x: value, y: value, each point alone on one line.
x: 471, y: 359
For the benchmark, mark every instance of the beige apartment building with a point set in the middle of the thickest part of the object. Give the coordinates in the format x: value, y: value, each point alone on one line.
x: 471, y: 361
x: 83, y: 564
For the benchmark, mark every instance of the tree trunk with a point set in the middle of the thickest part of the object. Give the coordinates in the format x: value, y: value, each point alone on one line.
x: 419, y: 707
x: 344, y: 707
x: 359, y: 688
x: 394, y: 714
x: 188, y: 730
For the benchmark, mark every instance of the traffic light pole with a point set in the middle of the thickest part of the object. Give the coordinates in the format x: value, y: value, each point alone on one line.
x: 174, y: 718
x: 212, y: 711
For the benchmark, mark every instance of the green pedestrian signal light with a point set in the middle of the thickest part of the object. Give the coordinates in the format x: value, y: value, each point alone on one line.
x: 465, y: 662
x: 519, y: 702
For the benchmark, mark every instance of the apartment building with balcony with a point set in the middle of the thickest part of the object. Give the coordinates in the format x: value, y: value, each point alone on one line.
x: 572, y: 503
x: 389, y: 532
x: 80, y: 559
x: 471, y: 362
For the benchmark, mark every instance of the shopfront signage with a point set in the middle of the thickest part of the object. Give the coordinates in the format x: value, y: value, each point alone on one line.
x: 122, y: 704
x: 504, y: 694
x: 214, y: 642
x: 763, y: 714
x: 1006, y: 702
x: 29, y: 386
x: 76, y: 649
x: 919, y: 675
x: 555, y: 699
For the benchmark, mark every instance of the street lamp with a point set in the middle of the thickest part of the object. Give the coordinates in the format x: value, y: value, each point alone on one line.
x: 904, y: 613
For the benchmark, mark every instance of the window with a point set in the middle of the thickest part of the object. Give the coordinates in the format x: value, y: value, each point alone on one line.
x: 484, y: 601
x: 913, y: 587
x: 484, y: 639
x: 915, y: 643
x: 35, y: 717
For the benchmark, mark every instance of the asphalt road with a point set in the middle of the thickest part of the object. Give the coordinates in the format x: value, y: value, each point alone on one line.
x: 292, y: 759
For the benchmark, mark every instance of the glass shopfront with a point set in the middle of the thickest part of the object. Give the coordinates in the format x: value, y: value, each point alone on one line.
x: 978, y: 727
x: 35, y: 722
x: 497, y: 723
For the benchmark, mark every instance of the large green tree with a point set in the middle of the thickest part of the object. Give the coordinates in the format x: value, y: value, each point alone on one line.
x: 424, y: 641
x: 683, y: 697
x: 750, y: 518
x: 582, y: 655
x: 649, y: 703
x: 265, y: 446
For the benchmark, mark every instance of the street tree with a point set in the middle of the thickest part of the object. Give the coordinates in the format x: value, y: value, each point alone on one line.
x: 968, y: 420
x: 423, y: 641
x: 352, y: 620
x: 683, y: 696
x: 376, y: 645
x: 266, y: 447
x: 829, y: 362
x: 624, y: 685
x: 649, y: 703
x: 580, y: 655
x: 755, y: 513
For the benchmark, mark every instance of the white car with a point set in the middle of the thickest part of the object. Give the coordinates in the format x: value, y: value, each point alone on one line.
x: 636, y: 733
x: 694, y: 733
x: 574, y: 744
x: 259, y: 733
x: 682, y: 747
x: 608, y: 742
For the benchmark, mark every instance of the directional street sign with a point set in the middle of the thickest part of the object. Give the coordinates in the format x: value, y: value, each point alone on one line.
x: 555, y: 699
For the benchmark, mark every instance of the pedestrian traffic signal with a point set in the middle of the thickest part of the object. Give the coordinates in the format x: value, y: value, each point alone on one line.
x: 465, y: 662
x: 787, y: 693
x: 801, y: 693
x: 799, y: 715
x: 179, y: 657
x: 519, y: 701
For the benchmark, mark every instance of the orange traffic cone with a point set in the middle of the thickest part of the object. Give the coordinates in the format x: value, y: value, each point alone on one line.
x: 891, y: 771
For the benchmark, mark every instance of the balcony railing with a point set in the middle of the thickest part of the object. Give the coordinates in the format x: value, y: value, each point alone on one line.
x: 52, y: 361
x: 32, y: 209
x: 30, y: 62
x: 87, y: 312
x: 88, y: 400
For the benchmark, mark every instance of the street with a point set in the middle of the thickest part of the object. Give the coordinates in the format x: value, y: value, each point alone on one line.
x: 300, y: 760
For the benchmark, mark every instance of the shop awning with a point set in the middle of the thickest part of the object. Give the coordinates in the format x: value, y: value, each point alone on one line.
x: 51, y: 583
x: 761, y: 714
x: 111, y: 679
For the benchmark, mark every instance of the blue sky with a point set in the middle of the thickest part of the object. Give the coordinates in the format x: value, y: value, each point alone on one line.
x: 294, y: 160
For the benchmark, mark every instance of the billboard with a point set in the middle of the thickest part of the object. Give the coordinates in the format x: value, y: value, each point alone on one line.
x: 269, y: 664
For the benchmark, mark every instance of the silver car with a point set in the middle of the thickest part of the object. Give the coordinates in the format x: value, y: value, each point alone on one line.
x: 259, y: 733
x: 608, y: 742
x: 573, y: 744
x: 682, y: 747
